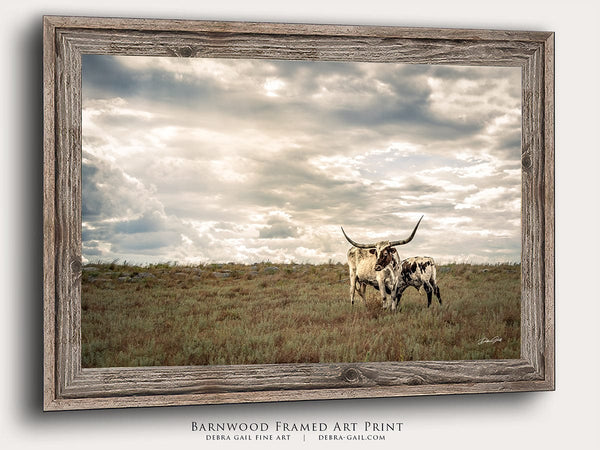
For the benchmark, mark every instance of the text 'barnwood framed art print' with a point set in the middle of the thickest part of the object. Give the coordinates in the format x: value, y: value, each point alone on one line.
x: 257, y: 212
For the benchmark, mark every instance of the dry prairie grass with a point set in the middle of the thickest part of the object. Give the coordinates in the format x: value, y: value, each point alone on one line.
x: 261, y: 314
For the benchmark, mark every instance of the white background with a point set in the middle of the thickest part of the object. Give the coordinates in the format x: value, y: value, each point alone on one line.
x: 567, y: 417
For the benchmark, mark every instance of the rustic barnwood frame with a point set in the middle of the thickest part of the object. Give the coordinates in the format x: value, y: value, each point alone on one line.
x: 69, y: 386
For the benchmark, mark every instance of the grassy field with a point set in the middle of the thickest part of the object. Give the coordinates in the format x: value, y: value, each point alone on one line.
x: 264, y: 313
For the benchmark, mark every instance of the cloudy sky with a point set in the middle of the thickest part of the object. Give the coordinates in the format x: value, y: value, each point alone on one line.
x: 216, y: 160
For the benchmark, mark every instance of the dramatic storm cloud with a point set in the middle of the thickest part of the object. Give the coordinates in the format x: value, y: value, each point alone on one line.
x: 216, y: 160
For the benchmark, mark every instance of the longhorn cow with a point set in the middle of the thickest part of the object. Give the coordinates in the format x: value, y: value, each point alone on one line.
x: 376, y: 265
x: 418, y: 272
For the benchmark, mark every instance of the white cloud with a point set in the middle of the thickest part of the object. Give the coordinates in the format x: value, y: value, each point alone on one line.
x: 339, y: 167
x: 217, y: 160
x: 482, y: 198
x: 273, y: 86
x: 475, y: 94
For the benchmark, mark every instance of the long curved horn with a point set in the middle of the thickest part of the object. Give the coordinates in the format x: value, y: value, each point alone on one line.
x: 356, y: 244
x: 408, y: 239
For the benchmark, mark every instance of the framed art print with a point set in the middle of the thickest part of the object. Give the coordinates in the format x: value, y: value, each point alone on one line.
x: 251, y: 212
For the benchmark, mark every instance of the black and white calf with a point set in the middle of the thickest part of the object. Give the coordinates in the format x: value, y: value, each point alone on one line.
x: 418, y: 272
x: 376, y: 265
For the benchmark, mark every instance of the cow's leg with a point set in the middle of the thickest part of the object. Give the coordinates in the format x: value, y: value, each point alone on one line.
x: 436, y: 291
x: 384, y: 295
x: 357, y: 286
x: 352, y: 288
x: 429, y: 291
x: 362, y: 291
x: 385, y: 303
x: 397, y: 296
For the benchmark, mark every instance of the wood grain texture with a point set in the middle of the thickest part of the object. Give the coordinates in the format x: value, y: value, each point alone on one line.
x: 276, y: 29
x: 68, y: 386
x: 48, y: 216
x: 293, y: 395
x: 549, y: 208
x: 532, y: 343
x: 299, y: 47
x: 285, y: 377
x: 68, y: 212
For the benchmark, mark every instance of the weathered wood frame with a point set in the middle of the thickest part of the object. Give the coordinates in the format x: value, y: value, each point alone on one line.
x: 69, y: 386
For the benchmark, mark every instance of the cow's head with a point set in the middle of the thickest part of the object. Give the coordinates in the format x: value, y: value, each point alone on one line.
x: 383, y: 250
x: 385, y: 254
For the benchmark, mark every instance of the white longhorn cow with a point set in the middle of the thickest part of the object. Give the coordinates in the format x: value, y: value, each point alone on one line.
x: 377, y: 265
